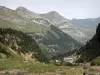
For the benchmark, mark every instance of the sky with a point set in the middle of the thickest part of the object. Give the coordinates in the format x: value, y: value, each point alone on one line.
x: 70, y: 9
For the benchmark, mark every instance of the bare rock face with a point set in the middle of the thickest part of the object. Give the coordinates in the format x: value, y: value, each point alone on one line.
x: 32, y: 16
x: 27, y: 13
x: 11, y: 15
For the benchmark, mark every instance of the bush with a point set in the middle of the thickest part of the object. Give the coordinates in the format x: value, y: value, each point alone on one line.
x: 56, y: 62
x: 67, y: 64
x: 96, y: 62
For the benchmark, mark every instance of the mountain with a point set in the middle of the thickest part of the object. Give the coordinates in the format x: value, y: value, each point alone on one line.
x: 78, y: 33
x: 86, y: 23
x: 32, y: 16
x: 53, y: 16
x: 80, y: 29
x: 19, y: 22
x: 39, y: 28
x: 91, y: 50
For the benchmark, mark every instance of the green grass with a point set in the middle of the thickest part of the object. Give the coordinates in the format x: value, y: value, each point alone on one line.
x: 36, y: 67
x: 8, y: 13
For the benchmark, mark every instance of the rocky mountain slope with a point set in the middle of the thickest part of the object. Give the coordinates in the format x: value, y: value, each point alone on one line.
x: 53, y: 16
x: 32, y: 16
x: 68, y: 26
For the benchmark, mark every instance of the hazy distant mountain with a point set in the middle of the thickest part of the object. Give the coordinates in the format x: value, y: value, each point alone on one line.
x: 86, y: 23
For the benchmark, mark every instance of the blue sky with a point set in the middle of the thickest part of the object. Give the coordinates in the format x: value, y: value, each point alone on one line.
x: 68, y: 8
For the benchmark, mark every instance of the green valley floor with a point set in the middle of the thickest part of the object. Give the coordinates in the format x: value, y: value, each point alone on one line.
x: 9, y: 67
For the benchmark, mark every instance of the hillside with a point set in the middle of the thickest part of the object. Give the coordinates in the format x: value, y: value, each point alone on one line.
x: 91, y: 50
x: 16, y: 43
x: 55, y: 42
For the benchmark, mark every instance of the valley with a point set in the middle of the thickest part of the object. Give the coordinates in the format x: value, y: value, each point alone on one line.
x: 47, y: 43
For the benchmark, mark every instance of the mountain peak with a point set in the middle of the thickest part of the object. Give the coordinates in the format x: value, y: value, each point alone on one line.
x: 53, y: 12
x: 26, y: 12
x: 54, y: 17
x: 21, y: 8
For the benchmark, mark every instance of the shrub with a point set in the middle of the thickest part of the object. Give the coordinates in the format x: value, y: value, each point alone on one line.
x: 67, y: 64
x: 96, y: 62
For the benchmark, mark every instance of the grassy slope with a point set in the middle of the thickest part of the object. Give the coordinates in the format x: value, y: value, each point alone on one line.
x: 25, y: 28
x: 8, y: 12
x: 39, y: 68
x: 29, y: 27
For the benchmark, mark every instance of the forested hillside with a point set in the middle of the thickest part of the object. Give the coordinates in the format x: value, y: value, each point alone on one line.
x: 13, y: 42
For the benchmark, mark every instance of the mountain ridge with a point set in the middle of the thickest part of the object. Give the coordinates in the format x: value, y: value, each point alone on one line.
x: 54, y: 18
x: 41, y: 29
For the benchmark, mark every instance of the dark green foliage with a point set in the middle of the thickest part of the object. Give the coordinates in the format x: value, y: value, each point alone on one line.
x: 18, y: 41
x: 92, y: 48
x: 67, y: 64
x: 96, y: 62
x: 98, y: 32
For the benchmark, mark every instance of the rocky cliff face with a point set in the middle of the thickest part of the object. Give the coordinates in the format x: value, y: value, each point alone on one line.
x: 32, y: 16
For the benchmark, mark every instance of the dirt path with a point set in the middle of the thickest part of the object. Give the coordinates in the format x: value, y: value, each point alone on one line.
x: 92, y: 70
